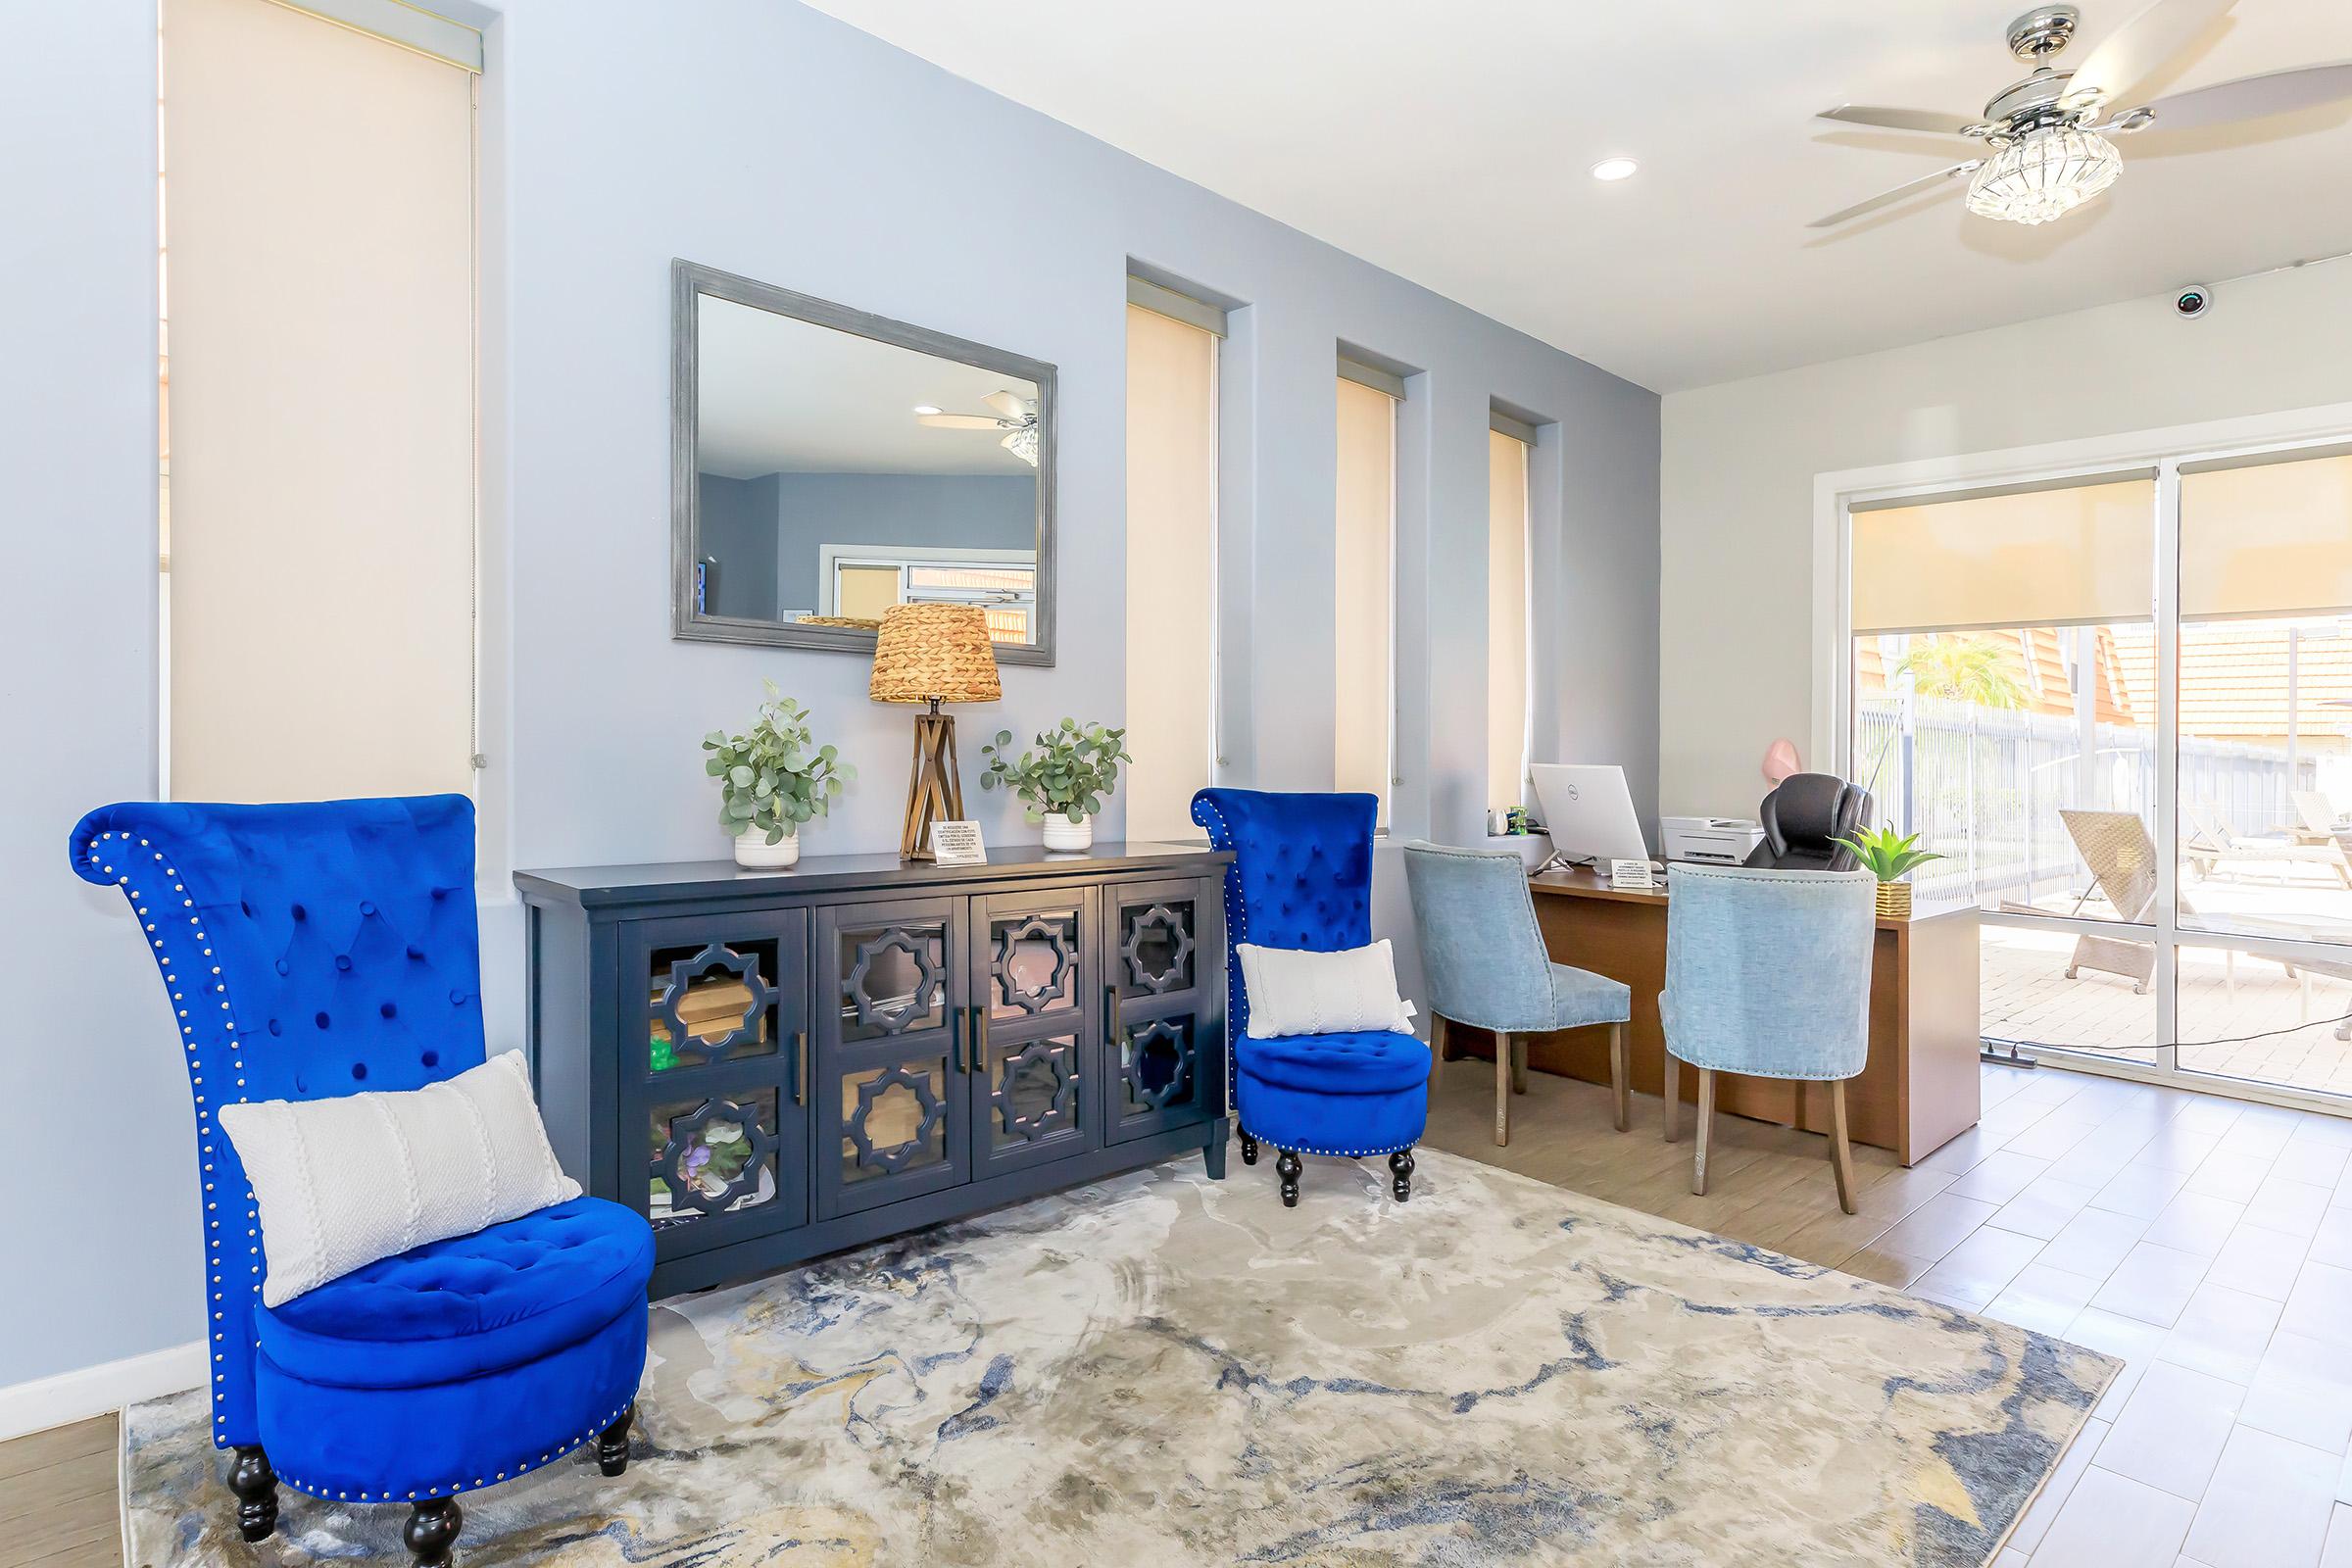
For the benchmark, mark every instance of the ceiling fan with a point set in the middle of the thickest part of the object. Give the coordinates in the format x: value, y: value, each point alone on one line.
x: 2048, y: 135
x: 1015, y: 414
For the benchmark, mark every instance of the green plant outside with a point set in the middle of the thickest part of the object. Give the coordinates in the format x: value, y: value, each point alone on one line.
x: 773, y: 777
x: 1065, y: 771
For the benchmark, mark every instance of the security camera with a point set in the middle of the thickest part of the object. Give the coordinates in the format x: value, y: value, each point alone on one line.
x: 2192, y: 299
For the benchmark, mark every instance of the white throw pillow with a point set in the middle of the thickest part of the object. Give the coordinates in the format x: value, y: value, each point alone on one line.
x: 1297, y: 993
x: 343, y: 1182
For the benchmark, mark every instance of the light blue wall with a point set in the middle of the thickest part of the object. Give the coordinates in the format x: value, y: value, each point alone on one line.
x: 962, y: 510
x: 759, y: 137
x: 736, y: 525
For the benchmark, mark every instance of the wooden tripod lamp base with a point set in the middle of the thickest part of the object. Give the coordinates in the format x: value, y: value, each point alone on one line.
x: 934, y: 793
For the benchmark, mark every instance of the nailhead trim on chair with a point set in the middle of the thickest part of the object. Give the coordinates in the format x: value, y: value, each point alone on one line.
x: 140, y: 901
x: 453, y: 1488
x: 1237, y: 924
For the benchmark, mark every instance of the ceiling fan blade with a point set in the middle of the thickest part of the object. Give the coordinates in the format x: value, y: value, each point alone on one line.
x: 2144, y: 45
x: 1927, y: 119
x: 1008, y: 404
x: 1888, y: 198
x: 2274, y: 92
x: 958, y: 422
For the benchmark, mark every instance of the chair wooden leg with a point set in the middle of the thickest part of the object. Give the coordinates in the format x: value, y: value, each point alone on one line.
x: 612, y: 1443
x: 1502, y: 1088
x: 254, y: 1485
x: 1841, y: 1153
x: 1437, y: 1048
x: 432, y: 1530
x: 1619, y: 1086
x: 1706, y: 1127
x: 1518, y: 1064
x: 1674, y: 1096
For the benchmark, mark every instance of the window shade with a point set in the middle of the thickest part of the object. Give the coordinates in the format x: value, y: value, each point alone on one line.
x: 2079, y: 556
x: 2274, y: 539
x: 321, y: 306
x: 1365, y: 507
x: 1171, y: 568
x: 1506, y: 620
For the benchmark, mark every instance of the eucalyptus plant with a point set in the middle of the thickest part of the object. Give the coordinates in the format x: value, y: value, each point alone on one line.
x: 1064, y: 772
x: 1887, y: 855
x: 773, y: 777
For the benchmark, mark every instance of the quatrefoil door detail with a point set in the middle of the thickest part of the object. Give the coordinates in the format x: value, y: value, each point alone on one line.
x: 1158, y: 1065
x: 714, y: 1155
x: 1047, y: 1065
x: 1157, y: 952
x: 716, y: 959
x: 892, y: 1014
x: 1041, y: 940
x: 892, y: 1158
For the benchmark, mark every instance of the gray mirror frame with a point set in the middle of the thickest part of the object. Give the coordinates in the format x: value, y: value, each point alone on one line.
x: 689, y: 282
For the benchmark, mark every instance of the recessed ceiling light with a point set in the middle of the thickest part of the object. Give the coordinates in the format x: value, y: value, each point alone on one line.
x: 926, y: 407
x: 1614, y: 169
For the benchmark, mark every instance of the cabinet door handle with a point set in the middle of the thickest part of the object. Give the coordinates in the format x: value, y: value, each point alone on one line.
x: 956, y: 1038
x: 1110, y: 1017
x: 799, y: 1067
x: 977, y: 1035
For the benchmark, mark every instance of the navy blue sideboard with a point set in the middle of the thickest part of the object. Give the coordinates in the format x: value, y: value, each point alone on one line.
x: 772, y: 1065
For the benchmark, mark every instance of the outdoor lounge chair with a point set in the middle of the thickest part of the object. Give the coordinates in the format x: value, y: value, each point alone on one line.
x: 2208, y: 842
x: 2318, y: 822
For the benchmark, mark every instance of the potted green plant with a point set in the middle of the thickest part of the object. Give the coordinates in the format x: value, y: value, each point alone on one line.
x: 1889, y: 856
x: 772, y: 778
x: 1062, y: 777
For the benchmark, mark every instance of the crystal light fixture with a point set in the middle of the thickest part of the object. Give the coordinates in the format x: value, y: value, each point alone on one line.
x: 1022, y: 443
x: 2043, y: 174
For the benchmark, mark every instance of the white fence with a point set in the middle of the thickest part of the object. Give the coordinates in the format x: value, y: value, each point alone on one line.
x: 1983, y: 786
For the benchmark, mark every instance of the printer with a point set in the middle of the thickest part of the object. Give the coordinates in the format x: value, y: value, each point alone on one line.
x: 1709, y: 839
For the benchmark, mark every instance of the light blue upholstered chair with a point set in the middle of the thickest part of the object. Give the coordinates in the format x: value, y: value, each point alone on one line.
x: 1767, y: 974
x: 1487, y: 967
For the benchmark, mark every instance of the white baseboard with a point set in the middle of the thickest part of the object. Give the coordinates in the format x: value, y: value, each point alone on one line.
x: 53, y: 1401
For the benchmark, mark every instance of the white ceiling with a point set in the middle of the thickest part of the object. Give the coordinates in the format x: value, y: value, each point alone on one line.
x: 1450, y: 143
x: 778, y: 395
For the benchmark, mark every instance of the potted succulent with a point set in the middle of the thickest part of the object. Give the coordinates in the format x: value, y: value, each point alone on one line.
x: 771, y: 779
x: 1062, y: 780
x: 1889, y: 856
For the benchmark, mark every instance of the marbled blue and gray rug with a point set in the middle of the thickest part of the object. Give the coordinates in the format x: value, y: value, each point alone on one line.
x: 1161, y: 1369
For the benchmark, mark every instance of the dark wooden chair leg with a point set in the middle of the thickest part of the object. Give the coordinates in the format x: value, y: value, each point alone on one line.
x: 612, y: 1443
x: 1400, y: 1170
x: 1841, y: 1153
x: 1621, y: 1087
x: 1288, y: 1167
x: 1249, y: 1149
x: 432, y: 1530
x: 1436, y: 1049
x: 1518, y: 1064
x: 1674, y: 1097
x: 256, y: 1487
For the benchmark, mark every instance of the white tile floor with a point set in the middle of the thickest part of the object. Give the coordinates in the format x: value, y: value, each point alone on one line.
x: 2208, y: 1244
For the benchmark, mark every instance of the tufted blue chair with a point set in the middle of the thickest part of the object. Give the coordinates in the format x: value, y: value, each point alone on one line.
x: 1768, y: 974
x: 1301, y: 879
x: 1486, y: 966
x: 319, y: 949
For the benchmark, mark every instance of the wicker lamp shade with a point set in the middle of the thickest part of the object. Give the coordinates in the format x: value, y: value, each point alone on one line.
x: 934, y: 653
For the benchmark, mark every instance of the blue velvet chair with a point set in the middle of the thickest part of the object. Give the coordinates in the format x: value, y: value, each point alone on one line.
x: 312, y: 950
x: 1768, y: 974
x: 1483, y: 958
x: 1301, y: 879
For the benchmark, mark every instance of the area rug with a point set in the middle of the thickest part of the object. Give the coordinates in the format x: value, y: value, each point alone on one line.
x: 1161, y: 1369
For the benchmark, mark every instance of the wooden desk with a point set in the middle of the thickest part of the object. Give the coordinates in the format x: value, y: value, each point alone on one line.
x: 1920, y: 1088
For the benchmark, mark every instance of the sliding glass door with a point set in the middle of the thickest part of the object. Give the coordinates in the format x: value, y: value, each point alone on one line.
x: 2118, y: 705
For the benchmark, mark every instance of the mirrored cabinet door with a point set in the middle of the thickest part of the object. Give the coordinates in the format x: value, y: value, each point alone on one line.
x: 1034, y: 1022
x: 892, y: 1065
x: 1164, y: 1001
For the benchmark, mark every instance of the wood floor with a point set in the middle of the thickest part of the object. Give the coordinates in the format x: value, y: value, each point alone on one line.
x: 57, y: 1498
x: 2206, y: 1242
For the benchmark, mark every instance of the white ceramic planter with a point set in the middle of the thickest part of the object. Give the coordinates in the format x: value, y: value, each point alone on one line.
x: 754, y: 853
x: 1069, y: 833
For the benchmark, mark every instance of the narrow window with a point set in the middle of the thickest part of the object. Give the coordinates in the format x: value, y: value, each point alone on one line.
x: 1364, y: 626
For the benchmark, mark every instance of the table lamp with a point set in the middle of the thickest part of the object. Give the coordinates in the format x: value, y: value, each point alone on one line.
x: 933, y: 654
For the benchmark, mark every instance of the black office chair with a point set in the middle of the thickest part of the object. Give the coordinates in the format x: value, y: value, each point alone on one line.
x: 1805, y: 816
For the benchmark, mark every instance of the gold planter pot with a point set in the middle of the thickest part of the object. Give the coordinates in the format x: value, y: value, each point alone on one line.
x: 1894, y: 901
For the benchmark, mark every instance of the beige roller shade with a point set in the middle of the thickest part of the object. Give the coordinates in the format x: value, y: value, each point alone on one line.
x: 321, y: 226
x: 2271, y: 541
x: 1172, y: 571
x: 1366, y: 510
x: 1506, y: 620
x: 2081, y: 556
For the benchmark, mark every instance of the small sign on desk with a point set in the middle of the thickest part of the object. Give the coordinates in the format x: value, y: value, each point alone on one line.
x: 957, y: 844
x: 1625, y: 874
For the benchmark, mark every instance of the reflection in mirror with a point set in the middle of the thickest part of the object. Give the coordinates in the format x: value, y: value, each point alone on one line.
x: 835, y: 473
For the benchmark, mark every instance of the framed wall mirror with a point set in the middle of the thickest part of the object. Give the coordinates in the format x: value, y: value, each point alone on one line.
x: 827, y: 464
